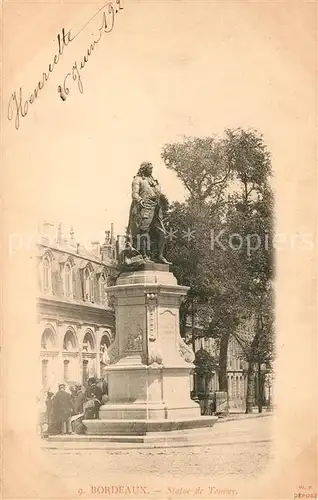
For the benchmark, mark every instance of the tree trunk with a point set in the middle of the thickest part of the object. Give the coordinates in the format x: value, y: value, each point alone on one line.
x: 193, y: 325
x: 260, y: 388
x: 183, y: 319
x: 223, y: 362
x: 208, y: 378
x: 250, y: 387
x: 193, y: 340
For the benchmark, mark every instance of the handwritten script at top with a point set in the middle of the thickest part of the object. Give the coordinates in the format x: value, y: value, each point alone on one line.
x: 18, y: 107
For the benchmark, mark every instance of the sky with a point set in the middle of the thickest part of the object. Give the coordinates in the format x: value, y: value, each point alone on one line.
x: 167, y: 69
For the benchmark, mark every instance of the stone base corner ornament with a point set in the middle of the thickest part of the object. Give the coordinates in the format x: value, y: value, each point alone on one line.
x: 186, y: 351
x: 154, y: 355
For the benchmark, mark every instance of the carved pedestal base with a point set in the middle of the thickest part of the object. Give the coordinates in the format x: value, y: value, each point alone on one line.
x: 149, y: 393
x: 149, y: 378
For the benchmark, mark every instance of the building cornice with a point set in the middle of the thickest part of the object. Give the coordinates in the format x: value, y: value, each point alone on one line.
x: 63, y: 308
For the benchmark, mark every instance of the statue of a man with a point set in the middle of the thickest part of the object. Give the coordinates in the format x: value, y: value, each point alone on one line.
x: 146, y: 213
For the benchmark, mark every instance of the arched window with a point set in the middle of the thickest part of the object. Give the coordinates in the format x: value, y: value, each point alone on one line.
x: 69, y: 343
x: 102, y: 289
x: 87, y: 288
x: 47, y: 281
x: 48, y: 340
x: 68, y: 280
x: 88, y: 284
x: 88, y: 342
x: 46, y: 270
x: 105, y: 342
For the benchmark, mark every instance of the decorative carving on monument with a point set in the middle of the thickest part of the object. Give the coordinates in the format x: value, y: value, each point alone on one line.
x: 111, y: 300
x: 134, y: 342
x: 152, y: 300
x: 113, y: 353
x: 154, y: 355
x: 186, y: 351
x: 152, y: 327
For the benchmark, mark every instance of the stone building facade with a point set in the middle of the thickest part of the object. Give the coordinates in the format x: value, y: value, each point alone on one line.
x: 236, y: 374
x: 75, y: 319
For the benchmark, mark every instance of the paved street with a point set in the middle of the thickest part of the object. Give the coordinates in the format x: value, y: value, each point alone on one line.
x: 239, y: 453
x: 240, y: 448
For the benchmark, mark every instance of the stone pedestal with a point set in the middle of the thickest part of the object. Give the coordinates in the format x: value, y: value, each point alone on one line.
x: 149, y: 374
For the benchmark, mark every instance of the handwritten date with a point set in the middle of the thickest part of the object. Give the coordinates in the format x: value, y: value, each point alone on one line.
x: 18, y: 106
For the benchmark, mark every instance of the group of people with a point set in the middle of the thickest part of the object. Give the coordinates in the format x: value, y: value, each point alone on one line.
x: 65, y: 411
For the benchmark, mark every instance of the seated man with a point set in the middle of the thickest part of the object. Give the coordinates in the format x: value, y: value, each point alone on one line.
x: 94, y: 396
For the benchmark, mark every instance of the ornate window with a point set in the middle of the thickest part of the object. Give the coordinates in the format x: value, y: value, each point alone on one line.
x: 70, y: 341
x: 68, y: 280
x: 105, y: 341
x: 48, y: 341
x: 88, y: 342
x: 47, y: 273
x: 87, y: 276
x: 102, y: 289
x: 88, y: 284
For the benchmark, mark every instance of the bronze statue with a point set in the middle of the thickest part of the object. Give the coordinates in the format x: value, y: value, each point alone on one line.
x: 146, y: 215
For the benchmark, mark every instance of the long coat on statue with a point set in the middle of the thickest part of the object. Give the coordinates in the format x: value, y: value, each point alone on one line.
x: 146, y: 206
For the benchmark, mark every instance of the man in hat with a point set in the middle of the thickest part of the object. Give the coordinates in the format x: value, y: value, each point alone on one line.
x: 62, y: 409
x: 146, y: 214
x: 93, y: 391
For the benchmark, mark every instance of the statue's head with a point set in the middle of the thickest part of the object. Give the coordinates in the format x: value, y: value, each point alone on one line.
x: 145, y: 169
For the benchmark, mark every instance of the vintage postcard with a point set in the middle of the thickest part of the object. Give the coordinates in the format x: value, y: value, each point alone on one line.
x: 158, y: 249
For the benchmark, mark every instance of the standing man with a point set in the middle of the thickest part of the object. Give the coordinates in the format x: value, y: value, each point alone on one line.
x: 146, y: 213
x: 62, y: 409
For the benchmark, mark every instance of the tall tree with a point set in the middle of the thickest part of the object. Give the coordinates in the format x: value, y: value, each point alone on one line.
x: 227, y: 261
x: 250, y: 215
x: 201, y: 165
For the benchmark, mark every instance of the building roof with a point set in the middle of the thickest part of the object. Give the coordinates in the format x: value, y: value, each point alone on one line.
x: 54, y: 240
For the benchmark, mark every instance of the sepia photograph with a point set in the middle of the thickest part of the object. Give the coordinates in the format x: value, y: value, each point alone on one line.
x: 159, y: 254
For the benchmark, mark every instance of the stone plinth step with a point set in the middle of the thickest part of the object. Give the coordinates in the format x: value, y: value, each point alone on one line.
x: 144, y: 427
x: 181, y: 437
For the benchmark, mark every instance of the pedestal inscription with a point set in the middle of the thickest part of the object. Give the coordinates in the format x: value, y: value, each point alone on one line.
x: 168, y: 334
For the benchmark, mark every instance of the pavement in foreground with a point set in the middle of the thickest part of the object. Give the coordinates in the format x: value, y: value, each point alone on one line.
x: 240, y: 447
x: 234, y: 457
